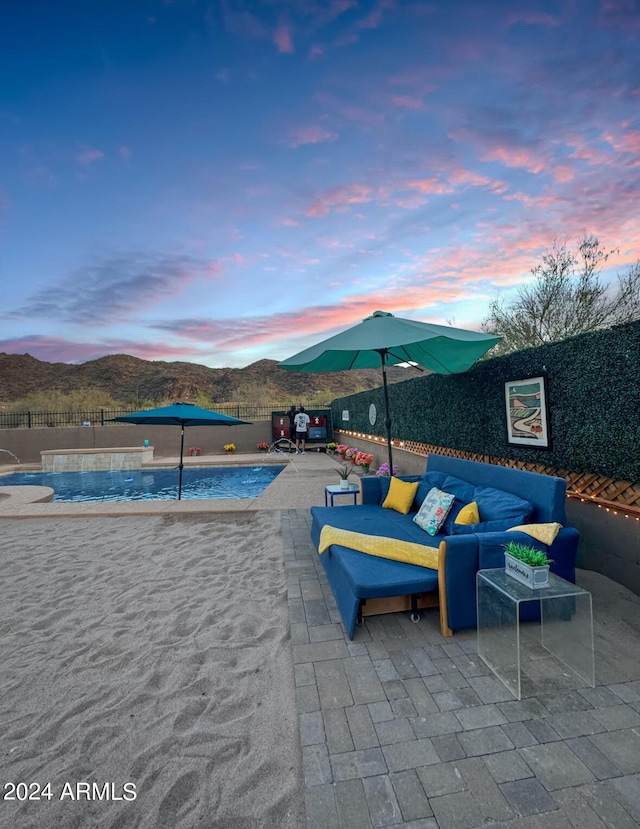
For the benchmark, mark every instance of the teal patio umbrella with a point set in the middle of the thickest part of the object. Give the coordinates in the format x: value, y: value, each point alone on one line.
x: 180, y: 414
x: 385, y: 340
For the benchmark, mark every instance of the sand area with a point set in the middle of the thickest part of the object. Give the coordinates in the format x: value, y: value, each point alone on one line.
x: 151, y: 654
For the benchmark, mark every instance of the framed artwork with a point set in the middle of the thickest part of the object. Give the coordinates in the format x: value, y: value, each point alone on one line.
x: 527, y: 417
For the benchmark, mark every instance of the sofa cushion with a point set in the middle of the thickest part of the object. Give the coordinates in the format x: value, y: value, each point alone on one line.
x: 496, y: 504
x: 400, y: 496
x: 371, y: 578
x: 464, y: 492
x: 434, y: 510
x: 498, y: 526
x: 426, y: 483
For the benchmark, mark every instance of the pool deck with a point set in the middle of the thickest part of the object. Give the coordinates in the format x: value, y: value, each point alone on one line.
x: 403, y: 728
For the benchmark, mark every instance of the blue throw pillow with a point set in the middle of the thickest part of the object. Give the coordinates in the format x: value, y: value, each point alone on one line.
x: 427, y: 482
x: 463, y: 491
x: 498, y: 505
x: 453, y: 514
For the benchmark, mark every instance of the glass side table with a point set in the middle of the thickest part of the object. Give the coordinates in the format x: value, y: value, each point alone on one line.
x: 524, y: 653
x: 332, y: 490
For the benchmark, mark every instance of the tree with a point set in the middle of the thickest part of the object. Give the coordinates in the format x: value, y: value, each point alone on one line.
x: 567, y: 298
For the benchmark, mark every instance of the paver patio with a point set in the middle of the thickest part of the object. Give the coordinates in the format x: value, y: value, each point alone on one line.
x: 404, y: 728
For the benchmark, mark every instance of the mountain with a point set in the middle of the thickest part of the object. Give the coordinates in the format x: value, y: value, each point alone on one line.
x: 128, y: 378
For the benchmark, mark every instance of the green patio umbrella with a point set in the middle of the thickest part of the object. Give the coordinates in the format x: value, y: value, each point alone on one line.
x: 180, y: 414
x: 385, y: 340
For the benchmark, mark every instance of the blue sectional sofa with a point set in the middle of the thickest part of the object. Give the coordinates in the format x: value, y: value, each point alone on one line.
x: 505, y: 497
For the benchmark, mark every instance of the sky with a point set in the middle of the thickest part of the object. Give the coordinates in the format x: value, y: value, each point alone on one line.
x: 223, y: 181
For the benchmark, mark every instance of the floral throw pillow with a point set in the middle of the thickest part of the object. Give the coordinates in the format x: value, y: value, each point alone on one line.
x: 434, y: 510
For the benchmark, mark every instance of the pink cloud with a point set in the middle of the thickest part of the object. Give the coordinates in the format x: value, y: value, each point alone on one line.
x: 88, y: 156
x: 366, y: 118
x: 586, y: 153
x: 374, y: 18
x: 240, y: 22
x: 620, y: 13
x: 340, y: 198
x: 320, y: 321
x: 532, y: 18
x: 563, y: 173
x: 212, y: 268
x: 418, y: 78
x: 428, y: 186
x: 282, y: 37
x: 311, y: 135
x: 412, y: 202
x: 627, y: 142
x: 334, y: 244
x: 456, y: 179
x: 406, y: 102
x: 518, y: 157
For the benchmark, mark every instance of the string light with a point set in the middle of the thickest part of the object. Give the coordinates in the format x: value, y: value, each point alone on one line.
x: 591, y: 499
x: 576, y: 495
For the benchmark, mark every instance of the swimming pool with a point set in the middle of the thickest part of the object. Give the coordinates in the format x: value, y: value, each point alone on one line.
x: 151, y: 484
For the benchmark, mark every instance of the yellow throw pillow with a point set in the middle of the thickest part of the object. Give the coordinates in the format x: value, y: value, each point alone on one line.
x: 541, y: 532
x: 468, y: 514
x: 400, y: 495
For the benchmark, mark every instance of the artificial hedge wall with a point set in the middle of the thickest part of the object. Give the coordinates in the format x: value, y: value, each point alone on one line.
x: 593, y: 397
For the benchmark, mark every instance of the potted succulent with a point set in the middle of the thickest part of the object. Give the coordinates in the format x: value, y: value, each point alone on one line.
x: 526, y: 564
x: 229, y: 448
x: 262, y: 446
x: 343, y: 473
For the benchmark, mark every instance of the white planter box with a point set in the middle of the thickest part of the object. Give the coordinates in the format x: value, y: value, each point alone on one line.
x: 531, y: 576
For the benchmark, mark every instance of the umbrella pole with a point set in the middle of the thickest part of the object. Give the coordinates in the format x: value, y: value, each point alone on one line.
x: 181, y: 464
x: 387, y: 415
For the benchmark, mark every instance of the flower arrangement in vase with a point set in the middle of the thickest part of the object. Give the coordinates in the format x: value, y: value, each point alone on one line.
x: 331, y: 447
x: 229, y: 448
x: 262, y: 446
x: 341, y: 450
x: 383, y: 469
x: 364, y: 460
x: 351, y: 453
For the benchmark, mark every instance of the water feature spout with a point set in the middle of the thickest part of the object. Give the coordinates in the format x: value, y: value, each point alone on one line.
x: 12, y: 455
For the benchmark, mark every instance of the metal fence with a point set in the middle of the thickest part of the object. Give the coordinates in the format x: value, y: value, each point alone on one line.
x: 100, y: 417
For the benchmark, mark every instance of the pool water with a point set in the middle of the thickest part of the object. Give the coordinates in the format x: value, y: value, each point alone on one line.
x: 151, y: 484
